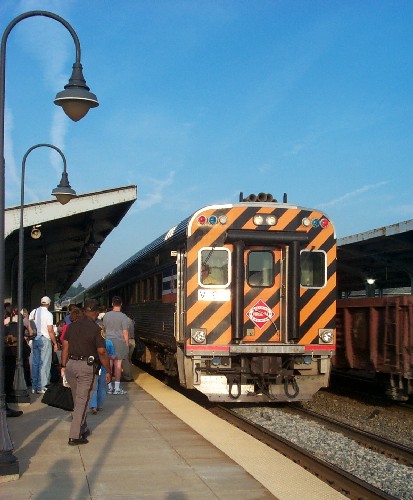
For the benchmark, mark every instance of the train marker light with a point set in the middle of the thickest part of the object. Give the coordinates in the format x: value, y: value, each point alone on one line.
x: 306, y: 222
x: 315, y: 222
x: 326, y: 336
x: 198, y: 336
x: 202, y: 219
x: 324, y: 222
x: 213, y: 219
x: 223, y: 219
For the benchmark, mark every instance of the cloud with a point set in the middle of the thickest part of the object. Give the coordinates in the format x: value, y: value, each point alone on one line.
x: 157, y: 195
x: 349, y: 197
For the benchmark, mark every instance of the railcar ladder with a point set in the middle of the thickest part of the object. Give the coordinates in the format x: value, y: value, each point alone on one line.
x: 391, y: 344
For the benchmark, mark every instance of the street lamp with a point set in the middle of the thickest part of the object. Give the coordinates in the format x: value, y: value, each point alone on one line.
x: 75, y: 100
x: 64, y: 193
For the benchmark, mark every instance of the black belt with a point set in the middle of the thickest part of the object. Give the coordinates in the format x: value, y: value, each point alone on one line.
x: 78, y: 358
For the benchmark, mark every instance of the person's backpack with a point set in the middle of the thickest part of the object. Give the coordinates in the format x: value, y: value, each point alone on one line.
x: 33, y: 327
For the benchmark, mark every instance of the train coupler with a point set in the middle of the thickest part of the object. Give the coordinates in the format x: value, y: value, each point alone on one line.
x: 291, y: 380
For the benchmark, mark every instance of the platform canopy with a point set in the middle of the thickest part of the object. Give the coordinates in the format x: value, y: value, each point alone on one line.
x: 60, y: 240
x: 384, y: 255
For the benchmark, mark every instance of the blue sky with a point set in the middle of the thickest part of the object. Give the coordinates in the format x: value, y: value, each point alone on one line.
x: 200, y: 100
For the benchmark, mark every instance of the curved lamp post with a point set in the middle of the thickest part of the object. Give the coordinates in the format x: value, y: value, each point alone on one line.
x: 76, y: 100
x: 64, y: 193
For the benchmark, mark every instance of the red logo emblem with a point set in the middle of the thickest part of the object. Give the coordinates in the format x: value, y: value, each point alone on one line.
x: 260, y: 314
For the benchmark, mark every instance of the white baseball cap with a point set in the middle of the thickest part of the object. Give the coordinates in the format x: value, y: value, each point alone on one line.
x: 45, y: 300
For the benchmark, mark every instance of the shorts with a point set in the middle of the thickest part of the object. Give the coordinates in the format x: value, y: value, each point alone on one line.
x: 121, y: 349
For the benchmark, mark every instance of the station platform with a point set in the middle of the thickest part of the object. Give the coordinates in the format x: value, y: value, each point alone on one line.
x: 150, y: 443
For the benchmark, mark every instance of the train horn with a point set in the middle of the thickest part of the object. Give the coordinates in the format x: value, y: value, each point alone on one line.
x: 261, y: 197
x: 251, y: 197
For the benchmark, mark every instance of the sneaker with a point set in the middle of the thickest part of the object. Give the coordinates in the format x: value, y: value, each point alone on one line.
x: 33, y: 391
x: 119, y: 391
x: 109, y: 390
x: 42, y: 391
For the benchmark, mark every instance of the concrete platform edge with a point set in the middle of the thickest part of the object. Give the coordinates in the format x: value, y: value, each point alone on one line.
x: 263, y: 463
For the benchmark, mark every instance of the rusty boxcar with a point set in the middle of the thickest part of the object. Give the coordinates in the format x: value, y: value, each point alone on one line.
x: 375, y: 338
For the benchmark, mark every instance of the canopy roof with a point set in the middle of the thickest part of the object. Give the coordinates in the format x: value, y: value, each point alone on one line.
x: 68, y: 236
x: 384, y: 255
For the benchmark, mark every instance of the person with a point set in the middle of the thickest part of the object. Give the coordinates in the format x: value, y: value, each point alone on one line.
x: 27, y: 346
x: 67, y: 319
x: 127, y: 362
x: 75, y: 314
x: 10, y: 351
x: 99, y: 396
x: 83, y: 349
x: 206, y: 277
x: 42, y: 346
x: 102, y: 311
x: 116, y: 326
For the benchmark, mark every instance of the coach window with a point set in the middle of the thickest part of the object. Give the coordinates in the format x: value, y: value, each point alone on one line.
x: 313, y: 269
x: 158, y: 286
x: 260, y: 268
x: 213, y: 267
x: 141, y: 297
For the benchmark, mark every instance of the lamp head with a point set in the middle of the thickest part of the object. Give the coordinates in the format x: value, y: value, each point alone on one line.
x: 35, y: 232
x: 63, y: 192
x: 76, y: 100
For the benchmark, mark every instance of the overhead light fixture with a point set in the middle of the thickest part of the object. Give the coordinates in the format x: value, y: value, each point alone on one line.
x: 35, y: 232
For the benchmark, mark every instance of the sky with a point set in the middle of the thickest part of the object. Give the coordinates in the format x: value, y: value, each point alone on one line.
x: 203, y: 99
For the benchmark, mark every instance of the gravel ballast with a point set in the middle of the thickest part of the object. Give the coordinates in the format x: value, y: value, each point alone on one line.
x: 372, y: 467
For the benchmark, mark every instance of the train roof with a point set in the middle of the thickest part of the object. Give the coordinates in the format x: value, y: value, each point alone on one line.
x: 175, y: 234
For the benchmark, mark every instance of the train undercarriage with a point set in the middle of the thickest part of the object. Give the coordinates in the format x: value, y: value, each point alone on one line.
x: 243, y: 378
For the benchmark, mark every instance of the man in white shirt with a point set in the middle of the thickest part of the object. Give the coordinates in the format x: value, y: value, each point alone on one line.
x: 42, y: 346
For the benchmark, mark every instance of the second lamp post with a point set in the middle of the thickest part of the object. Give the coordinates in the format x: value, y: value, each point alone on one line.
x: 64, y: 193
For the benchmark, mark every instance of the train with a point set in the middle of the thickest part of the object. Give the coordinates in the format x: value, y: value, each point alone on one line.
x: 374, y: 341
x: 238, y: 300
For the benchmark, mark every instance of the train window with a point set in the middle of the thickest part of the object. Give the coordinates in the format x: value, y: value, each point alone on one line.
x: 313, y: 269
x: 213, y: 267
x: 141, y: 297
x: 158, y: 286
x: 260, y: 268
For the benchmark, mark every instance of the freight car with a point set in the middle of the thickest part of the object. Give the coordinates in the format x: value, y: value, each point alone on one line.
x: 375, y: 341
x: 238, y: 300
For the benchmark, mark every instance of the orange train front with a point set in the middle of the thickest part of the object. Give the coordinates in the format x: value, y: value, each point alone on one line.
x: 258, y: 301
x: 239, y: 300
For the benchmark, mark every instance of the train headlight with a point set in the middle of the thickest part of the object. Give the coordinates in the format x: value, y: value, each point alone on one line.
x: 265, y: 220
x: 258, y: 220
x: 326, y: 336
x: 198, y: 336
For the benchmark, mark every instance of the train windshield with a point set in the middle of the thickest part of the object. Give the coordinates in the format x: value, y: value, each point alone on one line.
x: 260, y: 268
x: 313, y: 269
x: 214, y: 266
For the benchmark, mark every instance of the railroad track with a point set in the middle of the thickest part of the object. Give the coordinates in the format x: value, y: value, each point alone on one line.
x: 402, y: 454
x: 339, y: 479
